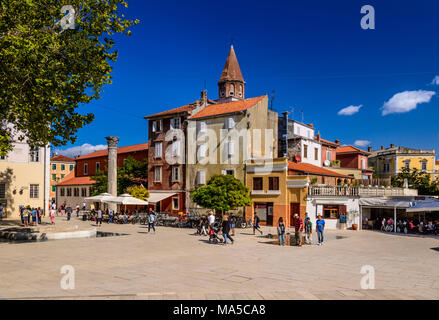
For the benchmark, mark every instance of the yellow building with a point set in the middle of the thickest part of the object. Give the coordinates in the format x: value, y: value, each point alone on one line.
x: 389, y: 162
x: 275, y: 193
x: 24, y: 178
x: 60, y: 167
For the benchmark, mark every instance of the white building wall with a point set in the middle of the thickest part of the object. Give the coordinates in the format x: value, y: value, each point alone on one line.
x: 314, y: 207
x: 311, y: 150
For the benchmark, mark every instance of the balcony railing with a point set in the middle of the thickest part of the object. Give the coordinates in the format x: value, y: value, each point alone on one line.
x: 335, y: 191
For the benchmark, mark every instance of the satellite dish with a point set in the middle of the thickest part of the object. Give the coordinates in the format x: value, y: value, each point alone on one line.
x: 327, y: 163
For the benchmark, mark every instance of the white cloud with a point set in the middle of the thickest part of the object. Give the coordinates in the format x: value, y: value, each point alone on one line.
x: 435, y: 81
x: 406, y: 101
x: 348, y: 111
x: 362, y: 143
x: 86, y: 148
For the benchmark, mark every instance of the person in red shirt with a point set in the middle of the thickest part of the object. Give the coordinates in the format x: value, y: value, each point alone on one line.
x: 298, y: 226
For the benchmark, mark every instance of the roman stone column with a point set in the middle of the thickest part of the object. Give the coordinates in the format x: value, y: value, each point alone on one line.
x: 112, y: 168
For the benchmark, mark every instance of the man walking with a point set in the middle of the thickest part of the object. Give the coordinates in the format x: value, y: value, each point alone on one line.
x: 308, y: 231
x: 256, y: 224
x: 77, y: 210
x: 99, y: 218
x: 151, y: 219
x: 320, y: 227
x: 298, y: 226
x: 211, y: 219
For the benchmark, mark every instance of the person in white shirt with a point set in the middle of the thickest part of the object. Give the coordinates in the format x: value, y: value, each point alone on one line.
x: 211, y: 219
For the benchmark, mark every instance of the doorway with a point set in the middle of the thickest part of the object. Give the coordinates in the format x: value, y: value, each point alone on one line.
x: 295, y: 208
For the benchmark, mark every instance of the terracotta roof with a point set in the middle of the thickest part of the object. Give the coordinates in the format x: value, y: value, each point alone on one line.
x: 61, y: 158
x: 312, y: 169
x: 185, y: 108
x: 328, y: 142
x: 227, y: 107
x: 75, y: 181
x: 101, y: 153
x: 437, y: 162
x: 231, y: 70
x: 351, y: 149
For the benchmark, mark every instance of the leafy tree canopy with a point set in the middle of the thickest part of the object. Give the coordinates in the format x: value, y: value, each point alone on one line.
x: 133, y: 173
x: 222, y: 193
x: 48, y: 69
x: 420, y: 180
x: 138, y: 192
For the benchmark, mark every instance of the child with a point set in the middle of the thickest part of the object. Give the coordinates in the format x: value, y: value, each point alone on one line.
x: 281, y: 231
x: 308, y: 231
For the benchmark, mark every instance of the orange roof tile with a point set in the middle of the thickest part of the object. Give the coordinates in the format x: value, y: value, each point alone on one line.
x: 227, y: 107
x: 61, y: 158
x: 184, y: 108
x: 75, y: 181
x: 350, y: 149
x: 312, y: 169
x: 101, y: 153
x: 328, y: 142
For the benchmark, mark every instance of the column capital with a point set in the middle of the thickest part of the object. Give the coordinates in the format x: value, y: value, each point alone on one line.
x: 112, y: 141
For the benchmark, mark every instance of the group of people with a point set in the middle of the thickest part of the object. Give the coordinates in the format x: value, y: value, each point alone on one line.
x: 299, y: 228
x: 209, y: 226
x: 31, y: 216
x: 409, y: 226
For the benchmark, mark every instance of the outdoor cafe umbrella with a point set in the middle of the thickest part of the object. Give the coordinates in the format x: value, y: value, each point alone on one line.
x: 103, y: 197
x: 127, y: 199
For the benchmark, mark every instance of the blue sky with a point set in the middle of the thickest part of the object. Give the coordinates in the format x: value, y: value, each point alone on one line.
x: 313, y: 53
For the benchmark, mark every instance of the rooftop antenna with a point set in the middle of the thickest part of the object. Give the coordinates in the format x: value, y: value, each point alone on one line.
x: 301, y: 112
x: 292, y: 113
x: 272, y: 99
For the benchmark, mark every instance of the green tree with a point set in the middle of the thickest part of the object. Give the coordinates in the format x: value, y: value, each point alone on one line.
x: 222, y: 193
x: 47, y: 70
x: 133, y: 173
x: 138, y: 192
x: 420, y: 180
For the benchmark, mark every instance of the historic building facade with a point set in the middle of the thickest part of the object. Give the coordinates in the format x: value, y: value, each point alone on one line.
x: 24, y: 178
x: 60, y: 167
x: 389, y: 162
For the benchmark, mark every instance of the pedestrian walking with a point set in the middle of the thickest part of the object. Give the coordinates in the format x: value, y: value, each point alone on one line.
x: 225, y: 228
x: 99, y: 218
x: 111, y: 215
x: 320, y: 228
x: 26, y: 215
x: 281, y: 231
x: 1, y: 211
x: 211, y: 219
x: 77, y: 210
x: 69, y: 213
x: 298, y: 227
x: 256, y: 224
x: 34, y: 216
x: 308, y: 231
x: 52, y: 214
x: 39, y: 214
x: 232, y: 220
x: 151, y: 220
x: 204, y: 225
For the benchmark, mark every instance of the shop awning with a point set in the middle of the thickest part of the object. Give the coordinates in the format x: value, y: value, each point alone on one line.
x: 424, y: 206
x: 155, y: 197
x: 382, y: 202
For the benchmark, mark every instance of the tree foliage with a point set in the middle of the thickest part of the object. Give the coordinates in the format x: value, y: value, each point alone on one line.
x: 420, y: 180
x: 133, y: 173
x: 138, y: 192
x: 47, y: 70
x: 222, y: 193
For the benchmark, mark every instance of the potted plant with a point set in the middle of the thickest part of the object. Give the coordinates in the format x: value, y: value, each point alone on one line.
x: 352, y: 214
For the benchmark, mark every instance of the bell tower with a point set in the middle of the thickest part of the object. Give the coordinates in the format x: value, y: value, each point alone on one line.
x: 231, y: 86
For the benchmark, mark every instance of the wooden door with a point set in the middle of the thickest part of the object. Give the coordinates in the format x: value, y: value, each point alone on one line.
x: 295, y: 208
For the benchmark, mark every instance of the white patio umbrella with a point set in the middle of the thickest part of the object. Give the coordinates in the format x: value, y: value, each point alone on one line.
x: 127, y: 199
x: 103, y: 197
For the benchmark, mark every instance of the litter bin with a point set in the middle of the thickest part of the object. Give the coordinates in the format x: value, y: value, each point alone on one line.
x: 84, y: 217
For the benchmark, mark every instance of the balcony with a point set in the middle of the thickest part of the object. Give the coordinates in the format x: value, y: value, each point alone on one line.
x: 335, y: 191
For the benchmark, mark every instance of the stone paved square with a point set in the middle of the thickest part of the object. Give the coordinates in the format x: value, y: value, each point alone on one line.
x: 174, y: 263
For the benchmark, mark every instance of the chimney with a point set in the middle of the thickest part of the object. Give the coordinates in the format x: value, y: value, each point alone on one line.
x: 392, y: 146
x: 204, y: 97
x: 337, y: 142
x: 318, y: 136
x: 285, y: 114
x: 311, y: 125
x: 382, y: 147
x: 369, y: 149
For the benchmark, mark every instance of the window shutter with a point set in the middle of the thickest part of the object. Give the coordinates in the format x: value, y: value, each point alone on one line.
x: 154, y: 126
x: 230, y: 123
x: 172, y: 124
